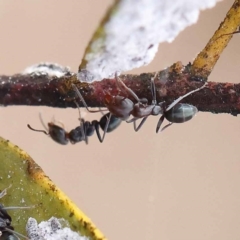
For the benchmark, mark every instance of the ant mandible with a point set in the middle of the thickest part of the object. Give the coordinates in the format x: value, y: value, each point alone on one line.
x: 122, y: 107
x: 80, y: 133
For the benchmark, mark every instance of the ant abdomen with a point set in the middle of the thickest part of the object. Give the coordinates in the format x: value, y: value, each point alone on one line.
x: 181, y: 113
x: 113, y: 124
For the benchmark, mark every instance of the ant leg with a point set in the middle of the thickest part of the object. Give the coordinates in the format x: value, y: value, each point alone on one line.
x: 81, y: 120
x: 105, y: 128
x: 132, y: 120
x: 168, y: 125
x: 153, y: 89
x: 84, y: 130
x: 96, y: 124
x: 136, y: 128
x: 4, y: 191
x: 129, y: 90
x: 180, y: 98
x: 83, y: 101
x: 160, y: 121
x: 16, y: 234
x: 101, y: 111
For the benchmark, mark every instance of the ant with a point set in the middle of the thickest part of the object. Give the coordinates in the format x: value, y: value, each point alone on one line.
x: 122, y: 107
x: 175, y: 113
x: 6, y: 230
x: 80, y: 133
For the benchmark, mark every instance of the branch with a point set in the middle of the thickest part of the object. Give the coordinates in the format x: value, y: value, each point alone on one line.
x: 208, y: 57
x: 175, y: 81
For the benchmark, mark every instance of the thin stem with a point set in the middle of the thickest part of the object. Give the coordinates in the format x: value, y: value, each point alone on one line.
x: 208, y: 57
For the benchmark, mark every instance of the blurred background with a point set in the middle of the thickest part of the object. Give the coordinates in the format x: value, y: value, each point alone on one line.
x: 183, y: 184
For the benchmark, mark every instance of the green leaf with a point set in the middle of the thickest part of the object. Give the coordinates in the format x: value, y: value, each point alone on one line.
x: 31, y: 187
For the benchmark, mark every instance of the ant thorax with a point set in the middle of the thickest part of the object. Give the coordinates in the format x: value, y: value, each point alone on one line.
x: 119, y: 106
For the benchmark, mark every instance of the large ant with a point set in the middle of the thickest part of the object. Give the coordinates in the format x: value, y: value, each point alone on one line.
x: 122, y: 107
x: 80, y: 133
x: 175, y: 113
x: 6, y: 229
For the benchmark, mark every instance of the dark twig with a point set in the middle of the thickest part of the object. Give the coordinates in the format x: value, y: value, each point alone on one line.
x: 37, y: 90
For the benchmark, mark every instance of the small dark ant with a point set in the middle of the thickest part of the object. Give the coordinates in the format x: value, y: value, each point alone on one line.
x: 80, y: 133
x: 175, y: 113
x: 122, y: 107
x: 6, y: 229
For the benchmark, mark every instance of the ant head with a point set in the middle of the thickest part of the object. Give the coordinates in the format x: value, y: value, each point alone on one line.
x: 58, y: 134
x: 77, y: 135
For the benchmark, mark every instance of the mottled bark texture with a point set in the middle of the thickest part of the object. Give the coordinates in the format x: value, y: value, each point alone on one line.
x: 175, y: 81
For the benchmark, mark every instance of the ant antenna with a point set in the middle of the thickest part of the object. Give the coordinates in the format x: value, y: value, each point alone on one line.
x: 13, y: 208
x: 37, y: 130
x: 180, y: 98
x: 42, y: 122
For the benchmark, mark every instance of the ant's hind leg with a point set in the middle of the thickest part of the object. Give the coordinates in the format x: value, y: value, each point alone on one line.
x: 82, y: 125
x: 83, y: 101
x: 105, y: 128
x: 136, y: 128
x: 160, y: 121
x: 168, y: 125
